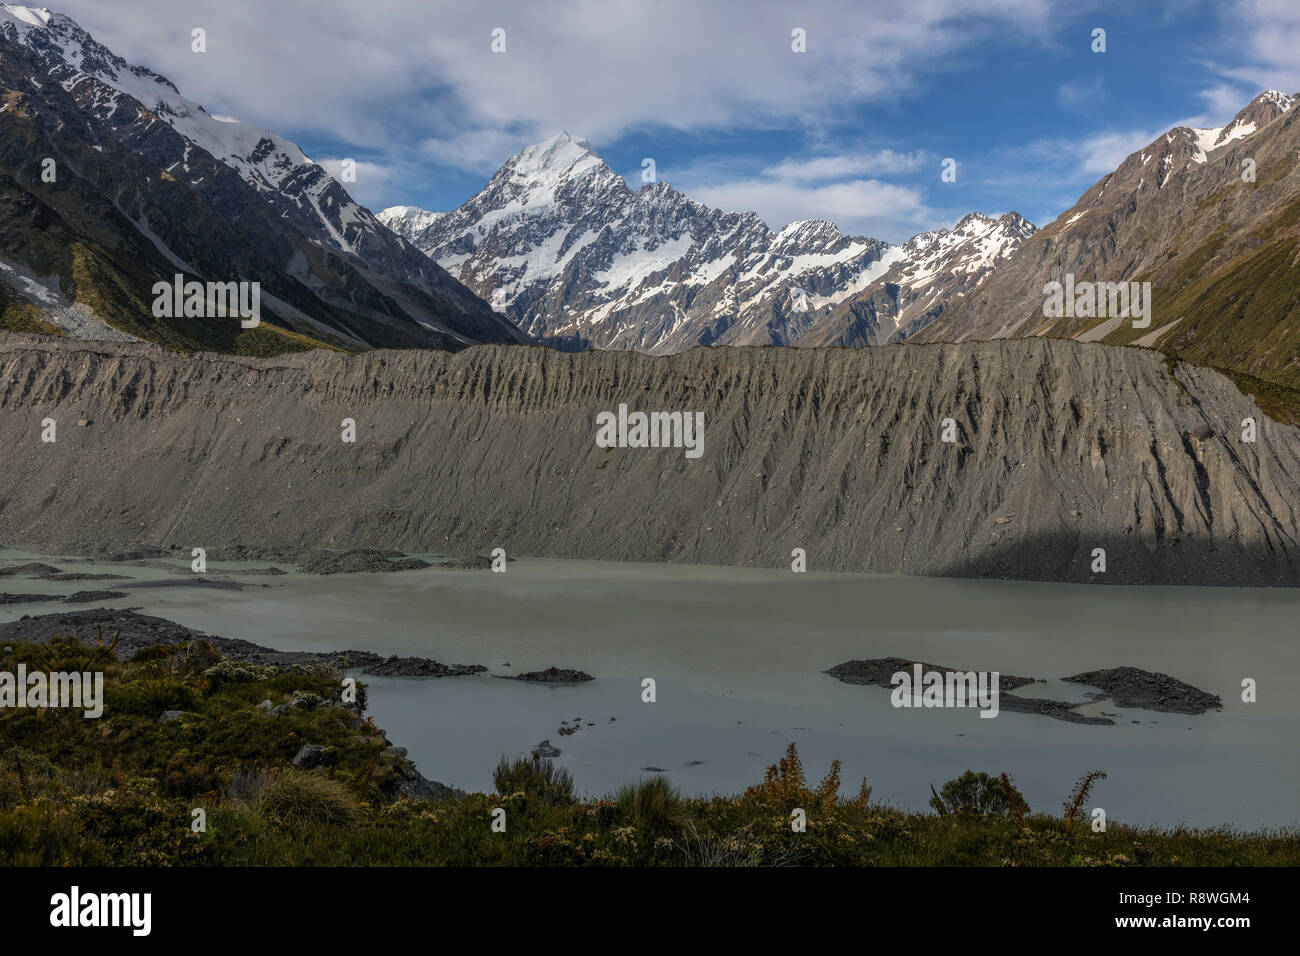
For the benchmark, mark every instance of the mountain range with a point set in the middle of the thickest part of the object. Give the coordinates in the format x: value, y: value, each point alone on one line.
x: 557, y: 248
x: 578, y: 259
x: 111, y: 180
x: 1209, y: 217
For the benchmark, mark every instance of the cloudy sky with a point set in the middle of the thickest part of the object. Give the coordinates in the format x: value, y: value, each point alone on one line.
x: 854, y: 130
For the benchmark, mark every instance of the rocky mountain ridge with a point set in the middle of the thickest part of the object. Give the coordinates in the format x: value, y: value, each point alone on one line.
x: 934, y: 271
x: 1210, y: 217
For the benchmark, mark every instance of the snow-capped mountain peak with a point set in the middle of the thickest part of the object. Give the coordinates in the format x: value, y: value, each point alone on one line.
x: 1279, y: 99
x: 538, y: 176
x: 808, y: 233
x: 263, y: 158
x: 561, y: 153
x: 1182, y: 148
x: 577, y: 258
x: 924, y: 277
x: 413, y: 218
x: 26, y: 16
x: 1259, y: 112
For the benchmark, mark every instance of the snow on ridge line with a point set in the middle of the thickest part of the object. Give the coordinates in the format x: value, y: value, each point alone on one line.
x: 223, y: 137
x: 237, y: 144
x: 29, y: 16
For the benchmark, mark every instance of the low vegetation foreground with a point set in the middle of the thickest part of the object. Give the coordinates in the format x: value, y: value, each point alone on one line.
x: 201, y: 760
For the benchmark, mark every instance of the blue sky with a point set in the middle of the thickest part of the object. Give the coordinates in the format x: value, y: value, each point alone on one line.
x: 854, y: 130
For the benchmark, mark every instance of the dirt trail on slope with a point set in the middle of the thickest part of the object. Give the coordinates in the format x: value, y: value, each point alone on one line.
x: 1062, y: 447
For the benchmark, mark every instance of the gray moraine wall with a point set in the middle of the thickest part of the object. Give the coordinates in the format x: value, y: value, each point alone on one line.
x: 1060, y: 448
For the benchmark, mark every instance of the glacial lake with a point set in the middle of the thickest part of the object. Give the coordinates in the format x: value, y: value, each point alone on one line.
x: 738, y: 657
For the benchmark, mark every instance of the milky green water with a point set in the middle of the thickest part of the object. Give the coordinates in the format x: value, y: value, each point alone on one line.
x: 737, y: 657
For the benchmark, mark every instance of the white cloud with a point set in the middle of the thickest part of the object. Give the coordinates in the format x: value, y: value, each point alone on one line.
x: 884, y: 162
x: 1256, y: 52
x: 1224, y: 100
x: 1271, y: 31
x: 370, y: 185
x: 393, y: 72
x: 842, y: 188
x: 415, y: 87
x: 477, y: 149
x: 1101, y: 153
x: 856, y: 206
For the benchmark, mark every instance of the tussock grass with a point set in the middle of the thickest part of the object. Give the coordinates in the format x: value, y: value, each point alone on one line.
x: 299, y: 799
x: 652, y: 804
x: 537, y: 778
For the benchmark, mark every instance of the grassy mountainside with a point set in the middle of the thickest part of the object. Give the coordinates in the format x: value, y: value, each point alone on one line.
x: 19, y: 315
x: 1222, y: 255
x: 1241, y: 315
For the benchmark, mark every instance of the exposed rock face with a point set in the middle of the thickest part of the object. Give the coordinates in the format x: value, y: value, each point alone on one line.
x: 80, y: 576
x: 1126, y: 686
x: 311, y: 755
x: 26, y: 598
x: 33, y: 569
x: 1081, y: 446
x: 1221, y: 251
x: 132, y: 632
x: 879, y: 672
x: 413, y: 785
x: 576, y: 258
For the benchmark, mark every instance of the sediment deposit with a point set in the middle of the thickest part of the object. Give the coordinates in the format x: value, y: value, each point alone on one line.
x: 1061, y: 448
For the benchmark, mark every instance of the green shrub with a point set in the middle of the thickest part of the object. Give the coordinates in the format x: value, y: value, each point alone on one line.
x: 125, y: 828
x: 39, y: 834
x: 977, y: 794
x: 650, y: 804
x: 153, y: 695
x: 182, y: 778
x: 226, y: 672
x: 537, y: 778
